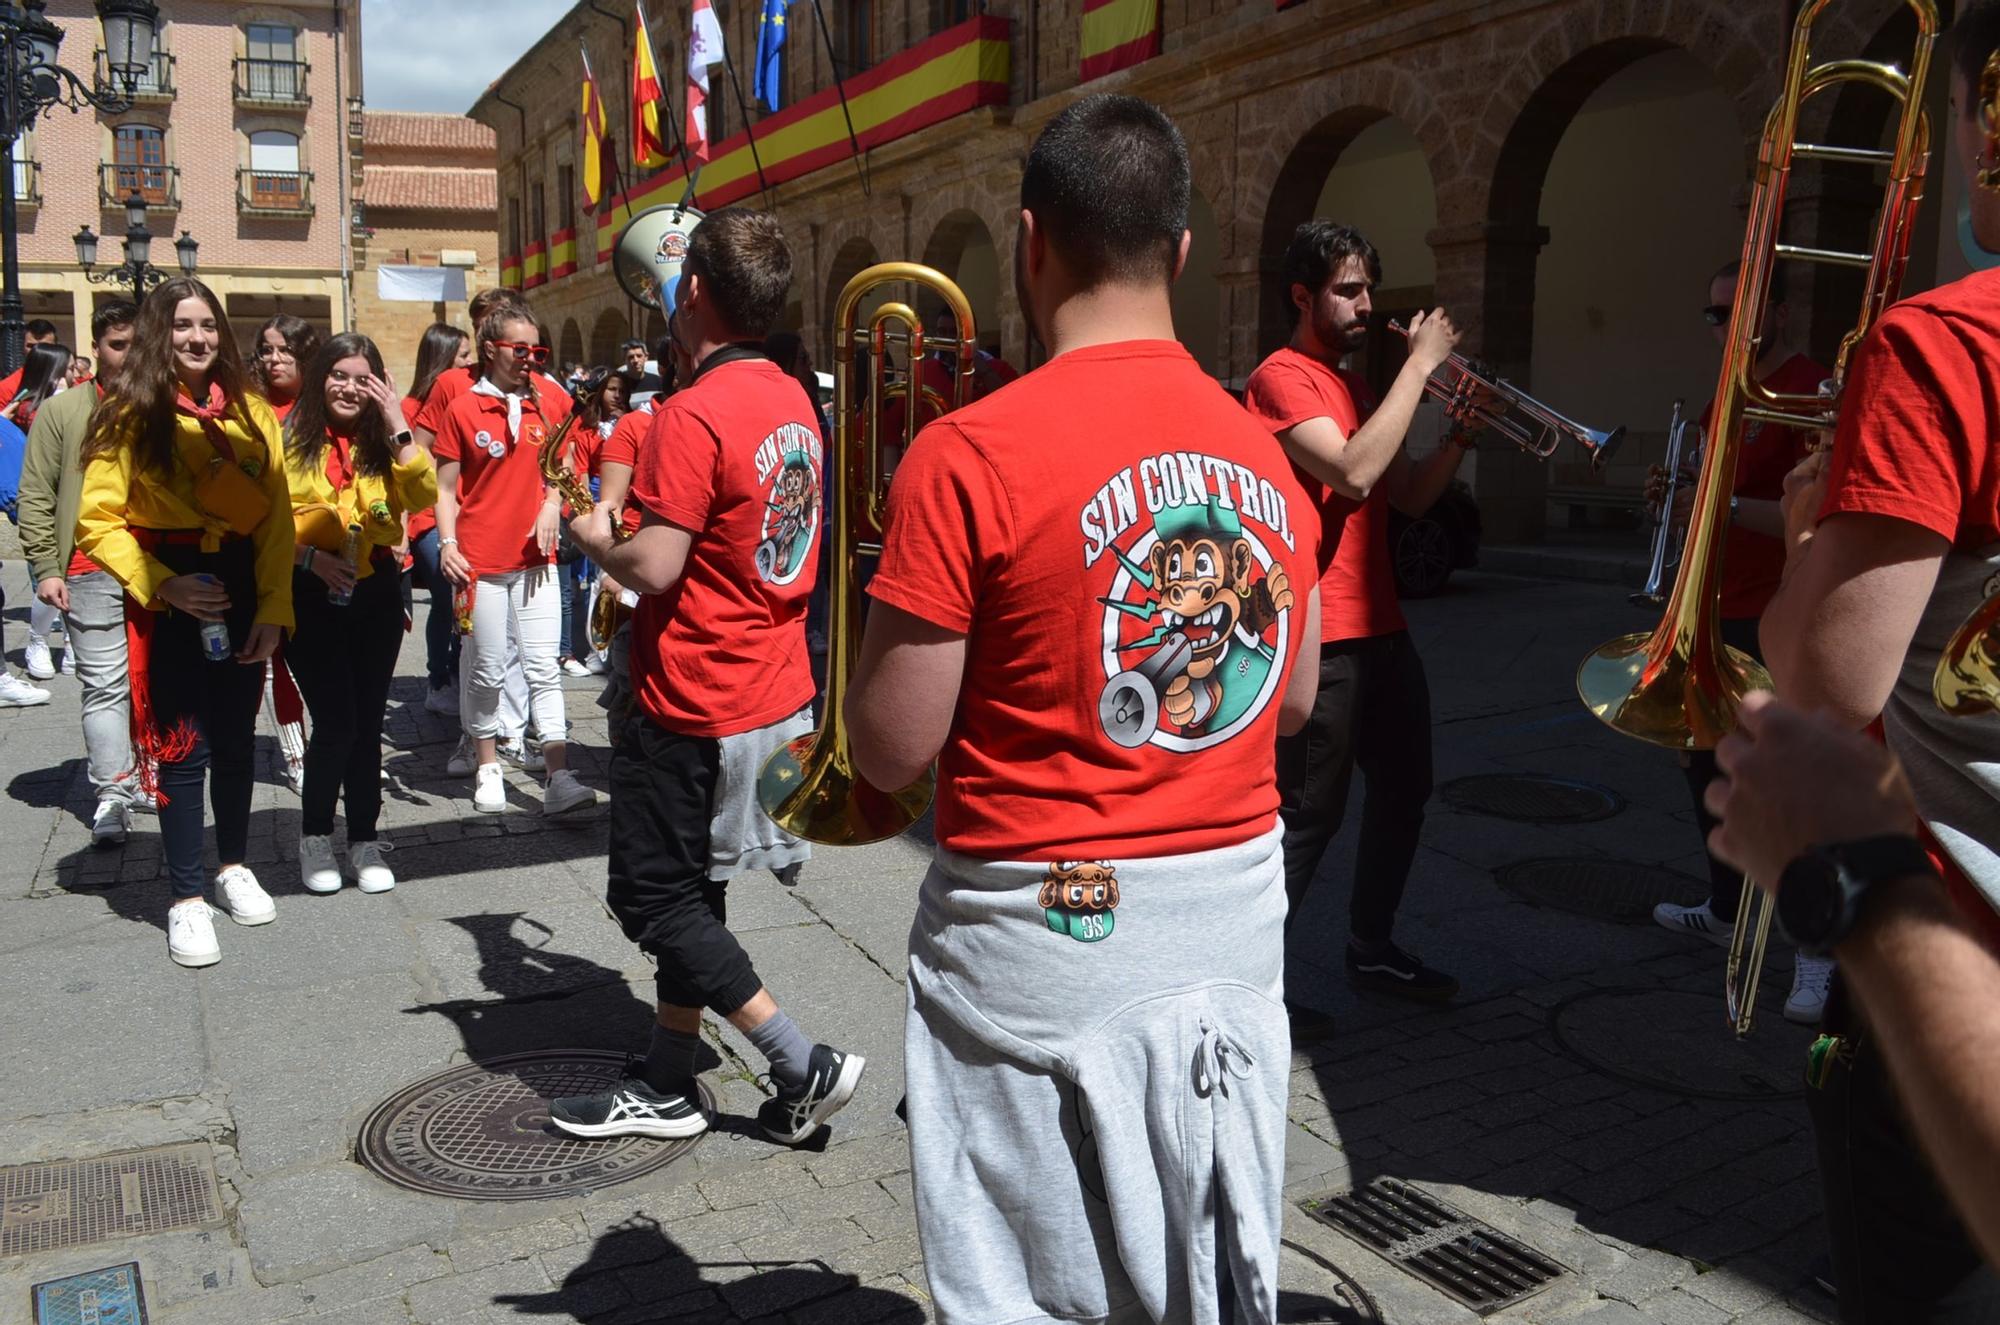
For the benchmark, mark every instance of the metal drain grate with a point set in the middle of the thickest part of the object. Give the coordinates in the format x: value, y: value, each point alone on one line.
x: 1598, y: 886
x: 110, y: 1296
x: 482, y: 1131
x: 70, y: 1202
x: 1534, y: 800
x: 1466, y: 1260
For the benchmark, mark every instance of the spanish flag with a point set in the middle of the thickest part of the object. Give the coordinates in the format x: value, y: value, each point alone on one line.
x: 1118, y: 34
x: 649, y: 148
x: 593, y: 137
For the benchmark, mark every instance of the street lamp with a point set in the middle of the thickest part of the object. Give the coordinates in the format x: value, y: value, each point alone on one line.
x: 137, y: 270
x: 32, y: 83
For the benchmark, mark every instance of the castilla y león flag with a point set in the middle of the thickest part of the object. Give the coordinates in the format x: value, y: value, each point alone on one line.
x: 704, y: 49
x: 649, y: 147
x: 1117, y: 34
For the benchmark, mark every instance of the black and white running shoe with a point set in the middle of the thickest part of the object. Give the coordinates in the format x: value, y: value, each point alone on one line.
x: 1390, y: 970
x: 633, y: 1109
x: 796, y: 1113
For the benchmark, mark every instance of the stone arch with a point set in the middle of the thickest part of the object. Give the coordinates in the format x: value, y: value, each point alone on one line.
x: 961, y: 246
x: 849, y: 260
x: 569, y: 345
x: 611, y: 327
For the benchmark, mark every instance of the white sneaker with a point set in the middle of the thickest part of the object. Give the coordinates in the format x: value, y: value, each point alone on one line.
x: 143, y: 803
x: 244, y: 898
x: 564, y: 792
x: 16, y: 693
x: 110, y: 823
x: 191, y: 934
x: 36, y: 659
x: 317, y: 870
x: 1810, y: 978
x: 528, y: 755
x: 1699, y: 920
x: 371, y: 873
x: 442, y: 701
x: 295, y: 776
x: 596, y: 664
x: 68, y: 665
x: 461, y: 762
x: 489, y: 792
x: 571, y: 667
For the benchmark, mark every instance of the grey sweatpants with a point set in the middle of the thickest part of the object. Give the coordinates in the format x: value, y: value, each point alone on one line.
x: 1097, y: 1092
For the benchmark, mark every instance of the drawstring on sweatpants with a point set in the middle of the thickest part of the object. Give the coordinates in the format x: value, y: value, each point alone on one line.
x: 1218, y: 1058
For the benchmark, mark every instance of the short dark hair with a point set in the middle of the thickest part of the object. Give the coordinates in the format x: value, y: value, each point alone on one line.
x: 117, y: 313
x: 1108, y: 181
x: 634, y: 343
x: 742, y: 257
x: 1319, y: 248
x: 1974, y: 38
x: 40, y: 326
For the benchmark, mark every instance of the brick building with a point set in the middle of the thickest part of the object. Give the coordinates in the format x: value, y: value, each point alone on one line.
x: 237, y: 136
x: 1563, y: 175
x: 425, y: 226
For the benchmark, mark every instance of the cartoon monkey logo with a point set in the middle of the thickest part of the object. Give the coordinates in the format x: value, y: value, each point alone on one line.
x: 791, y: 518
x: 1078, y: 898
x: 1216, y: 597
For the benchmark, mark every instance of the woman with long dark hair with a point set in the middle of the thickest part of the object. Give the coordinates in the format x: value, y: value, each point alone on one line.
x: 185, y: 504
x: 355, y: 472
x: 285, y: 345
x: 442, y: 348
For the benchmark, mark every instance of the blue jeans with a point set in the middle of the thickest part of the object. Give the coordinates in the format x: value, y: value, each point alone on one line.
x: 440, y: 633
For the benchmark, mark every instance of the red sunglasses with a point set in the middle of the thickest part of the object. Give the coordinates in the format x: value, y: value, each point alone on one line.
x: 522, y: 350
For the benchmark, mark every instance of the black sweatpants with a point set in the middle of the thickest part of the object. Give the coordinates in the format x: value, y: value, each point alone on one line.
x: 1373, y: 711
x: 219, y: 700
x: 662, y: 802
x: 344, y: 659
x: 1725, y: 885
x: 1901, y: 1256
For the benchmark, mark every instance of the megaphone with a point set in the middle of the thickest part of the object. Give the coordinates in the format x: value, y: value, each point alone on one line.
x: 649, y: 255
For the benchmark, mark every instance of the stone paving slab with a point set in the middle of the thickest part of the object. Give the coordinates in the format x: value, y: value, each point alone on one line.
x: 1530, y: 1104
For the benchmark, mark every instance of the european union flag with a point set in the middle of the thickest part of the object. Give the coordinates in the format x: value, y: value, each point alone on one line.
x: 770, y: 41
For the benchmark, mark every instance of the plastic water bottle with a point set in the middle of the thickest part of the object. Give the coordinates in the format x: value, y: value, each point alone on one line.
x: 215, y: 634
x: 350, y: 552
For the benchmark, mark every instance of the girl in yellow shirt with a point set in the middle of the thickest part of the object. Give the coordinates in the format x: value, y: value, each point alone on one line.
x: 355, y: 471
x: 185, y: 504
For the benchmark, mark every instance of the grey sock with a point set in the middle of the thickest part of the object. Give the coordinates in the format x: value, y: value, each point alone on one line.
x: 785, y: 1047
x: 670, y: 1059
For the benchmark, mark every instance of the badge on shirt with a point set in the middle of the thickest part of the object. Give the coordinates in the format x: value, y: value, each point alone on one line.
x: 1079, y: 898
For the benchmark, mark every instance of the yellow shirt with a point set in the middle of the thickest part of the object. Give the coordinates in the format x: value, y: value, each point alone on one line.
x: 376, y: 502
x: 119, y: 495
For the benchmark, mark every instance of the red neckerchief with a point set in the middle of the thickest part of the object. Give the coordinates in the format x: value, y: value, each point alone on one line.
x: 339, y: 461
x: 210, y: 416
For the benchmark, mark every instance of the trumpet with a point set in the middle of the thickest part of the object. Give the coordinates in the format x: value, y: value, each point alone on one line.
x: 1538, y: 430
x: 553, y: 457
x: 1666, y: 554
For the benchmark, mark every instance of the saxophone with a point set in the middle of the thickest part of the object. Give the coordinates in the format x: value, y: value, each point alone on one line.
x: 608, y: 613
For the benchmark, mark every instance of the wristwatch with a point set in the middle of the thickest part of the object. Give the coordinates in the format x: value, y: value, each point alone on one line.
x: 401, y: 439
x: 1821, y: 895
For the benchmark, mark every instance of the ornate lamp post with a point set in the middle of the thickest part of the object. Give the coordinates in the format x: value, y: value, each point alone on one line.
x: 31, y: 83
x: 137, y: 270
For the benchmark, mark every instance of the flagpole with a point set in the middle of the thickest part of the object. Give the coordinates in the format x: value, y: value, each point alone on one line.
x: 749, y: 133
x: 840, y: 87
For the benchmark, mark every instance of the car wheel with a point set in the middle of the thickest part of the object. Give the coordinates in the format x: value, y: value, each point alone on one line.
x: 1422, y: 558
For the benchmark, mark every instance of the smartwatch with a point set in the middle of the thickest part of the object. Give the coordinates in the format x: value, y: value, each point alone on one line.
x: 1822, y: 894
x: 402, y: 439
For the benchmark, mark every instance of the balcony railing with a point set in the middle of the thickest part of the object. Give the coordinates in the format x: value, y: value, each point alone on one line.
x: 27, y: 183
x: 156, y: 84
x: 160, y: 186
x: 261, y: 82
x: 274, y: 192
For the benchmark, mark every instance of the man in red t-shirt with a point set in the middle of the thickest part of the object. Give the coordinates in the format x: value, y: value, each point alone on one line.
x: 1893, y: 538
x: 1753, y: 558
x: 616, y: 460
x: 39, y: 331
x: 727, y: 489
x: 1373, y: 707
x: 1095, y: 611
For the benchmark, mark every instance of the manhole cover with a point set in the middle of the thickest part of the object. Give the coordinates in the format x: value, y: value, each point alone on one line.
x: 70, y: 1202
x: 110, y: 1296
x: 1677, y: 1040
x: 1532, y: 800
x: 482, y: 1131
x: 1467, y: 1260
x: 1598, y: 886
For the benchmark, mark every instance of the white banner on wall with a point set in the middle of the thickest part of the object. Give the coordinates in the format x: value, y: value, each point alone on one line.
x: 424, y: 285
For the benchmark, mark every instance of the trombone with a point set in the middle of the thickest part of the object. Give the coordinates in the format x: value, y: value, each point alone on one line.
x: 1514, y: 414
x: 1679, y: 685
x: 810, y: 787
x: 1666, y: 553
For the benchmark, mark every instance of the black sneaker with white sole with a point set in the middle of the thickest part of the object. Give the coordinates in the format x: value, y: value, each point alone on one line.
x: 796, y: 1113
x: 1390, y: 970
x: 633, y: 1109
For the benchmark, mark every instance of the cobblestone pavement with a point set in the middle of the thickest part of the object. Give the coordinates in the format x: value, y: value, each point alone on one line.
x: 1583, y: 1096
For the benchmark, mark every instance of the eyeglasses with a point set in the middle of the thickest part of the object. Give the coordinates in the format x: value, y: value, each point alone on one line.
x: 521, y: 349
x: 269, y: 351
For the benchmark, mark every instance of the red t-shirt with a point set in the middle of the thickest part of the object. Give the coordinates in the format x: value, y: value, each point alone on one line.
x: 1129, y: 556
x: 455, y: 382
x: 622, y: 448
x: 419, y: 522
x: 1753, y: 563
x: 10, y: 386
x: 1357, y: 585
x: 499, y: 495
x: 735, y: 460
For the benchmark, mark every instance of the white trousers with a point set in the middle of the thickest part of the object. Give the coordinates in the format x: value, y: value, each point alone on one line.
x: 516, y: 637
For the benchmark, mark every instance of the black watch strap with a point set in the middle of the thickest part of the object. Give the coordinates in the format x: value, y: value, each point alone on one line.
x: 1823, y: 895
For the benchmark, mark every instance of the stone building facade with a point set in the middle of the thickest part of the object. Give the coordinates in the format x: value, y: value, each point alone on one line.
x: 1563, y: 175
x: 238, y: 136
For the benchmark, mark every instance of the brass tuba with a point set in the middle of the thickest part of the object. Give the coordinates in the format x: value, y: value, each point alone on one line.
x: 1679, y: 685
x: 554, y: 459
x: 810, y: 787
